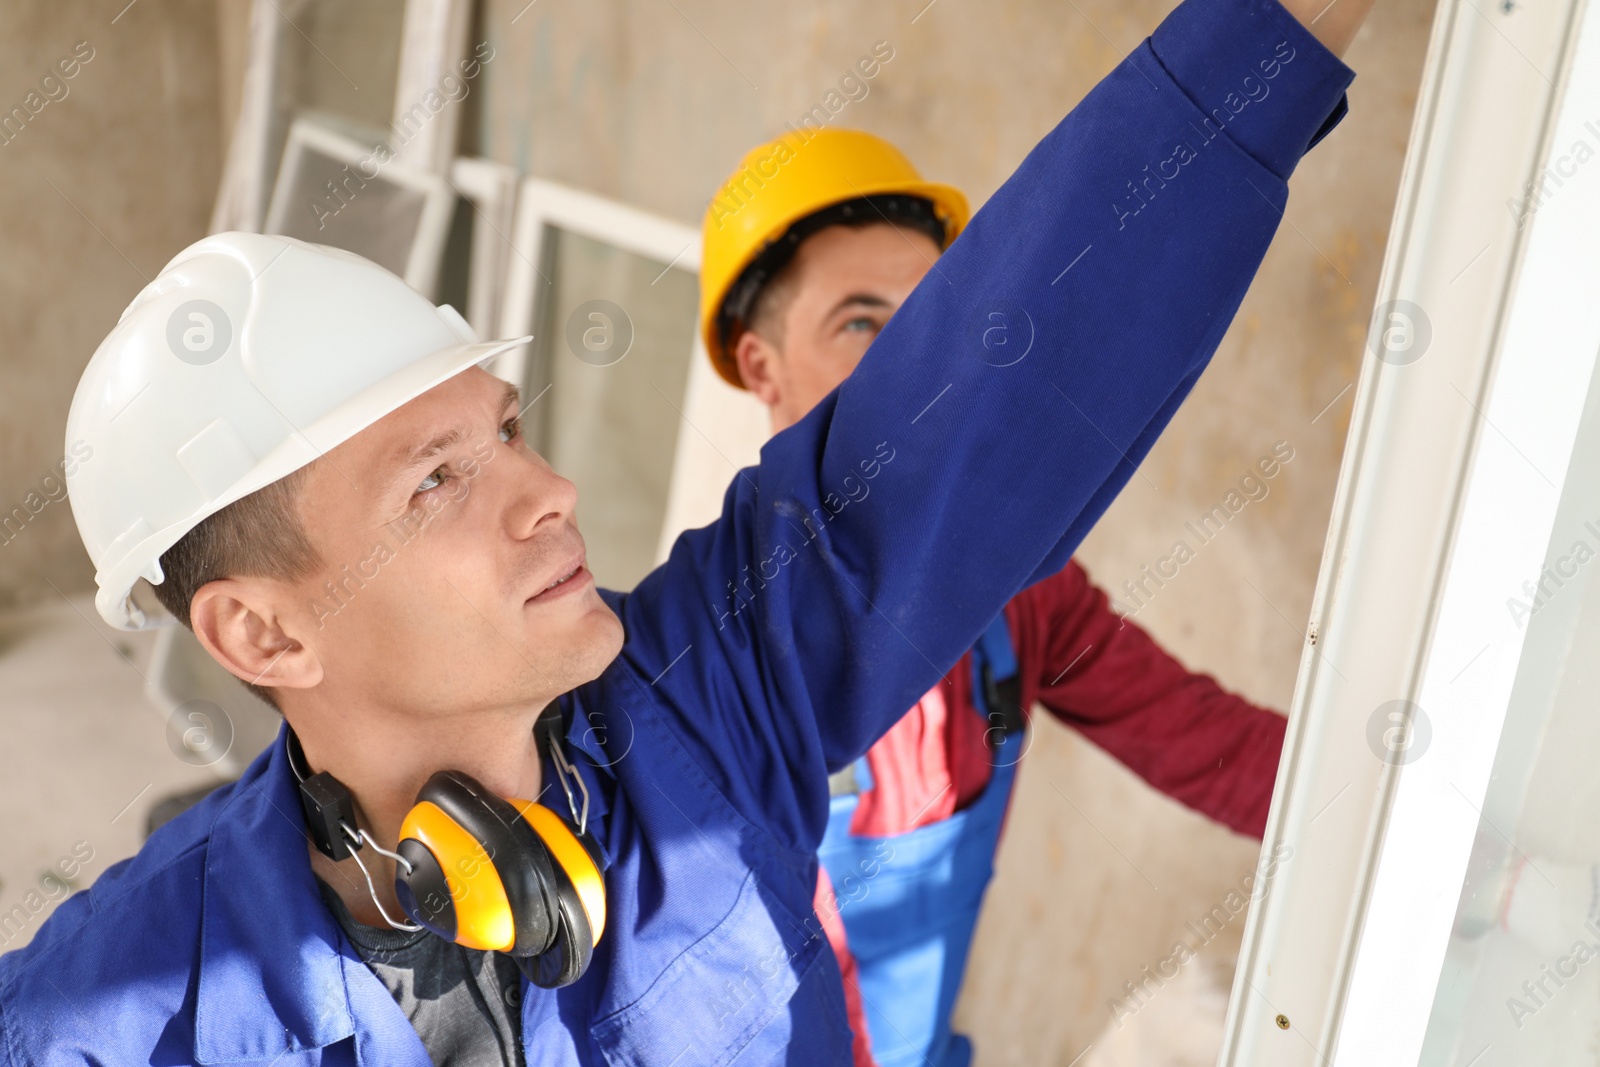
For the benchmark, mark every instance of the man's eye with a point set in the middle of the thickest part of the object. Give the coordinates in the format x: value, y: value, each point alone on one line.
x: 511, y: 429
x: 861, y: 324
x: 432, y: 481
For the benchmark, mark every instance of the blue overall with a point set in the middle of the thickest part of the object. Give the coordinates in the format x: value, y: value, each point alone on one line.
x: 910, y: 902
x: 868, y: 550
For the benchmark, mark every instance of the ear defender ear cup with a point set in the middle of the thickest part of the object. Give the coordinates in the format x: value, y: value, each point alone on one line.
x: 507, y: 876
x: 497, y: 876
x: 580, y: 900
x: 569, y: 957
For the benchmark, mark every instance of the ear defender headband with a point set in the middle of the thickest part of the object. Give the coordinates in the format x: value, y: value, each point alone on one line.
x: 505, y: 875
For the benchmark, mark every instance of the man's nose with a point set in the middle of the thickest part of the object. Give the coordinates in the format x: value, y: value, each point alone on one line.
x: 537, y: 493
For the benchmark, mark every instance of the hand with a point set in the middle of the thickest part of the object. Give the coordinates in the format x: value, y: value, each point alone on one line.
x: 1333, y: 22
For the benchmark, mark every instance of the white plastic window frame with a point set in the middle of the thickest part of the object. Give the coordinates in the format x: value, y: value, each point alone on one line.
x: 1343, y: 950
x: 720, y: 428
x: 433, y: 38
x: 491, y: 189
x: 247, y: 171
x: 433, y: 41
x: 1535, y: 406
x: 308, y: 133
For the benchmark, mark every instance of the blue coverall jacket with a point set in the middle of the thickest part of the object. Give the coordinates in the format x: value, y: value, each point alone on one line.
x: 868, y: 550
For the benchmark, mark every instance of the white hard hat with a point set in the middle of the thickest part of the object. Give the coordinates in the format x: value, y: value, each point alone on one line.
x: 248, y: 357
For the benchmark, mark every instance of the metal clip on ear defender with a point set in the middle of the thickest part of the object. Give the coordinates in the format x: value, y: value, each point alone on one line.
x: 507, y: 875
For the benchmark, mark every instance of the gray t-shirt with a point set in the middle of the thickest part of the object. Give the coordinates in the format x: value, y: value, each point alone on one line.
x: 465, y: 1004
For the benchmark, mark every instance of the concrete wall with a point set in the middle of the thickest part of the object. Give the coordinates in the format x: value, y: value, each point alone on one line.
x: 100, y: 188
x: 653, y: 104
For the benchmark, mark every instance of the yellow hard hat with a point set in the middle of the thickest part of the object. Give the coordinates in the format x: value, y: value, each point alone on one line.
x: 784, y: 181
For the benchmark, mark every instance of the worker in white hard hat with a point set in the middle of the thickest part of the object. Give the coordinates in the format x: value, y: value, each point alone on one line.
x: 791, y: 298
x: 514, y: 819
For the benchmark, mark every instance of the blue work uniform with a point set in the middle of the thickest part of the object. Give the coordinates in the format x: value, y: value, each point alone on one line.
x: 866, y: 552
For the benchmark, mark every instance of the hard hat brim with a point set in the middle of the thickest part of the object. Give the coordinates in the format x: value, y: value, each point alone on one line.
x: 114, y: 599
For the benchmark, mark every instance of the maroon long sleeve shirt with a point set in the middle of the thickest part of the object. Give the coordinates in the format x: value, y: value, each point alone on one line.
x: 1102, y: 675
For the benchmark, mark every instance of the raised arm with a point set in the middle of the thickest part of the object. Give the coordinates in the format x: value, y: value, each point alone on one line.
x: 879, y: 536
x: 1180, y: 731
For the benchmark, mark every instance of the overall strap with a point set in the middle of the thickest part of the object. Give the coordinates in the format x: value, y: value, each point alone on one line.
x: 997, y: 683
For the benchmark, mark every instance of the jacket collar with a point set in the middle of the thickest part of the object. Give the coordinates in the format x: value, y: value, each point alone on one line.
x: 272, y: 978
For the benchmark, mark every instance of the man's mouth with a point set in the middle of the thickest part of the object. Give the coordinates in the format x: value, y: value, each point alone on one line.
x: 571, y: 577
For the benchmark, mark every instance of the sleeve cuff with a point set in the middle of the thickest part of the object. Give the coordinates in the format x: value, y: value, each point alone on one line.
x: 1256, y: 73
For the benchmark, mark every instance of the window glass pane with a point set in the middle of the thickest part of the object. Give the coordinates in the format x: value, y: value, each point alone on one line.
x: 1521, y: 978
x: 342, y: 57
x: 330, y: 203
x: 613, y: 338
x: 338, y: 60
x: 455, y: 272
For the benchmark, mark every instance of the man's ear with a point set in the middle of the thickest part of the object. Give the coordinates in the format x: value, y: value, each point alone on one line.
x: 238, y: 622
x: 759, y: 367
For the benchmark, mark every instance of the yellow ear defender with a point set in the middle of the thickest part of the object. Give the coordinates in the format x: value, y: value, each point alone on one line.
x: 507, y: 875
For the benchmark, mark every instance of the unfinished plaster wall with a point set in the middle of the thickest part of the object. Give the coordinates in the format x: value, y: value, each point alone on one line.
x: 655, y: 103
x: 114, y: 173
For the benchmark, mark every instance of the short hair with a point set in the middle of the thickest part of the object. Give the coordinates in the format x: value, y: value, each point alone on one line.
x: 757, y: 298
x: 259, y: 536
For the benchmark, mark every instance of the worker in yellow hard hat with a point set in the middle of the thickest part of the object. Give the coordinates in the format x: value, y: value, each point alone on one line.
x: 810, y: 246
x: 789, y: 189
